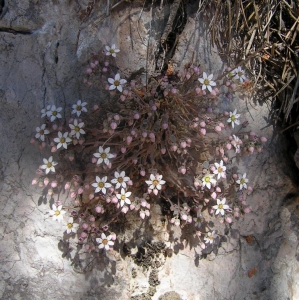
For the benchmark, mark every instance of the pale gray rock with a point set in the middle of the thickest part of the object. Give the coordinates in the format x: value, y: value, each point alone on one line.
x: 45, y: 47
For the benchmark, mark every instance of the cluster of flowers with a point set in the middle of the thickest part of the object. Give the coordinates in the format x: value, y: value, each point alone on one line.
x: 156, y: 130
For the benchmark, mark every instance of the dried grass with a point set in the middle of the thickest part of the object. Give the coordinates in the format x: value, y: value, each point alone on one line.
x: 262, y: 36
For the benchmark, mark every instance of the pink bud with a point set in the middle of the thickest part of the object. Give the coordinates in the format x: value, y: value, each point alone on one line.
x: 83, y: 235
x: 217, y: 128
x: 174, y: 147
x: 247, y: 210
x: 249, y: 188
x: 188, y: 76
x: 32, y: 141
x: 183, y: 144
x: 263, y: 139
x: 92, y: 219
x: 218, y: 189
x: 198, y: 91
x: 46, y: 181
x: 94, y: 160
x: 136, y: 116
x: 125, y: 209
x: 228, y: 146
x: 174, y: 91
x: 98, y: 209
x: 251, y: 149
x: 214, y: 195
x: 106, y: 63
x: 144, y: 134
x: 54, y: 184
x: 202, y: 124
x: 53, y: 149
x: 142, y: 172
x: 164, y: 126
x: 229, y: 220
x: 233, y: 86
x: 80, y: 190
x: 183, y: 170
x: 73, y: 194
x: 163, y: 150
x: 203, y: 131
x: 132, y: 206
x: 130, y: 182
x: 129, y: 139
x: 122, y: 97
x: 113, y: 125
x: 88, y: 71
x: 34, y: 181
x: 151, y: 135
x: 212, y: 168
x: 92, y: 65
x: 123, y: 149
x: 95, y: 107
x: 165, y: 93
x: 91, y: 196
x: 114, y: 199
x: 142, y: 215
x: 108, y: 200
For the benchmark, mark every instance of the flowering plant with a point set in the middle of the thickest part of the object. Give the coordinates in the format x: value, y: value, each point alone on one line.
x: 158, y: 140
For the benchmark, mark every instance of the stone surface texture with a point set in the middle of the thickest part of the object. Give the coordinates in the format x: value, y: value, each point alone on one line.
x: 45, y: 47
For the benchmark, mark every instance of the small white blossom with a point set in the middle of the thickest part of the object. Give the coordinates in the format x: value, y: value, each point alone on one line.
x: 120, y: 179
x: 155, y: 183
x: 239, y: 74
x: 54, y: 113
x: 105, y: 241
x: 116, y: 83
x: 111, y: 50
x: 207, y: 81
x: 49, y: 164
x: 242, y: 181
x: 70, y: 226
x: 62, y: 140
x: 76, y: 129
x: 103, y: 155
x: 237, y: 142
x: 41, y: 131
x: 207, y: 180
x: 220, y: 206
x: 57, y: 213
x: 101, y: 184
x: 199, y: 219
x: 209, y: 238
x: 220, y: 170
x: 45, y: 111
x: 233, y: 118
x: 79, y: 107
x: 123, y: 197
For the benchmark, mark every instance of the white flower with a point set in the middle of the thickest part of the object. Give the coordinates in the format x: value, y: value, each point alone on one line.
x: 207, y: 180
x: 41, y: 131
x: 111, y: 50
x: 62, y: 140
x: 44, y: 111
x: 220, y: 206
x: 103, y: 155
x: 79, y: 107
x: 242, y: 181
x: 199, y: 219
x: 57, y: 213
x: 49, y: 164
x: 101, y: 184
x: 209, y: 238
x: 120, y: 179
x: 123, y: 197
x: 237, y: 143
x: 233, y: 118
x: 105, y: 241
x: 116, y: 83
x: 54, y: 113
x: 70, y: 226
x: 155, y: 183
x: 239, y: 74
x: 220, y: 170
x: 206, y: 81
x: 76, y: 129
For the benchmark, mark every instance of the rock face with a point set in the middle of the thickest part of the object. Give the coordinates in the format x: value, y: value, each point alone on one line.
x: 45, y: 47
